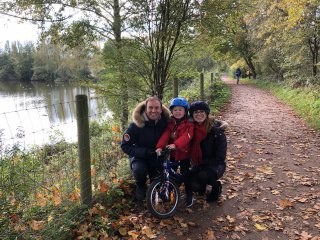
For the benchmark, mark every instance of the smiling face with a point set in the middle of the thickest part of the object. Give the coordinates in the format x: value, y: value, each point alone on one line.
x: 178, y: 112
x: 199, y: 116
x: 153, y: 109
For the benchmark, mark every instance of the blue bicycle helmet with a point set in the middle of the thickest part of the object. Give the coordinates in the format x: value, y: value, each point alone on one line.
x: 199, y: 105
x: 182, y: 102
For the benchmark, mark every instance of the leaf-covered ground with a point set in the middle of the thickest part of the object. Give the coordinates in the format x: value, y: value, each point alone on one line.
x: 271, y: 187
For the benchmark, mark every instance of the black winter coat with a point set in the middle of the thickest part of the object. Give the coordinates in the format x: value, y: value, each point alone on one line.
x: 214, y: 149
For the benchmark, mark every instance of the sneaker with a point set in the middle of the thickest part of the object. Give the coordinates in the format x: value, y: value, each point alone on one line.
x: 215, y: 192
x: 140, y: 193
x: 189, y: 201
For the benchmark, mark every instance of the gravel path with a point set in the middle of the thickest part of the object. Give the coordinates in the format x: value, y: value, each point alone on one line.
x: 271, y: 188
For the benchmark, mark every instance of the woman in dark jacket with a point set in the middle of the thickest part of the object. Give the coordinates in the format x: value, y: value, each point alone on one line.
x: 208, y: 151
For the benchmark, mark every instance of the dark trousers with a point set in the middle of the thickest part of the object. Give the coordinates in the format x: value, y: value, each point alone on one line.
x: 141, y: 170
x: 202, y: 175
x: 185, y: 172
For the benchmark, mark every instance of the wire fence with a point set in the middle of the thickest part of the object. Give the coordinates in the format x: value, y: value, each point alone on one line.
x: 39, y: 168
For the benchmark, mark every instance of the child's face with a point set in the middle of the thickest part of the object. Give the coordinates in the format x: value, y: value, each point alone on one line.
x: 178, y: 112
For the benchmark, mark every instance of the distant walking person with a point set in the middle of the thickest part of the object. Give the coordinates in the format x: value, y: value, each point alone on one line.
x: 238, y: 74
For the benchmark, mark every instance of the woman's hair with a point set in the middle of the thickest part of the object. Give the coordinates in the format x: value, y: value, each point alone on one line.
x: 208, y: 123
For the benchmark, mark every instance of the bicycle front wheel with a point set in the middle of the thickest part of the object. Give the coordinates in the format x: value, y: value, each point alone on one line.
x: 162, y: 198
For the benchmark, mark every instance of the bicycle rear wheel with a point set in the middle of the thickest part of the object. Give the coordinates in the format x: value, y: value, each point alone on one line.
x: 163, y: 204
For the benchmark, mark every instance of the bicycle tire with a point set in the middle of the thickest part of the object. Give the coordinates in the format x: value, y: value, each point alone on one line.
x: 162, y: 208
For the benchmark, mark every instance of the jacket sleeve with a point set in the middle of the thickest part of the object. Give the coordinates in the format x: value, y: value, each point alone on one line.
x: 164, y: 139
x: 184, y: 140
x: 129, y: 142
x: 220, y: 153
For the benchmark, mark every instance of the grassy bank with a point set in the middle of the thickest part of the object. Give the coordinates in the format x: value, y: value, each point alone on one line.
x: 305, y: 101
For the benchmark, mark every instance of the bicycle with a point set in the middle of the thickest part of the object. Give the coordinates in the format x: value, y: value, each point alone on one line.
x: 163, y: 194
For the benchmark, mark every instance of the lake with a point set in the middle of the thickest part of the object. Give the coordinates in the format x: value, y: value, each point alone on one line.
x: 37, y: 113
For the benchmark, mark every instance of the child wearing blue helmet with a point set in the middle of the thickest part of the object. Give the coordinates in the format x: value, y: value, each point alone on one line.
x: 178, y: 136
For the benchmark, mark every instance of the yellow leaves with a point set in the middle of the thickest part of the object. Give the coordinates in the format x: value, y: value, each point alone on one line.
x: 260, y: 227
x: 41, y: 199
x: 230, y: 219
x: 45, y: 197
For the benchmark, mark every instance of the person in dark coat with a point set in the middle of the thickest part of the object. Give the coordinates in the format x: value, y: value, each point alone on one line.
x: 149, y: 120
x: 208, y: 151
x: 238, y: 74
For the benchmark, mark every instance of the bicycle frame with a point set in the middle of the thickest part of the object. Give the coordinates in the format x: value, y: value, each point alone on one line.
x: 163, y: 194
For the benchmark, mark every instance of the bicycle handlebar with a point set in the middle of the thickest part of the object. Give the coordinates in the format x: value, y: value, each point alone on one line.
x: 164, y: 152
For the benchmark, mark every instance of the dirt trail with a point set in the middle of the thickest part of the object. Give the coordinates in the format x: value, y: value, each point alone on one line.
x: 271, y: 188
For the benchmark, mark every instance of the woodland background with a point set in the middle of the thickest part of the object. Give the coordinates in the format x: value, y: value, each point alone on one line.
x: 129, y: 50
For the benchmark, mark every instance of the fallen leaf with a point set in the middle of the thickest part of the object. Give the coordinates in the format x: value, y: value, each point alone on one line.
x: 147, y: 231
x: 260, y: 227
x: 210, y: 235
x: 230, y: 219
x: 305, y: 236
x: 284, y: 203
x: 123, y: 231
x: 37, y: 225
x: 134, y: 234
x: 14, y: 218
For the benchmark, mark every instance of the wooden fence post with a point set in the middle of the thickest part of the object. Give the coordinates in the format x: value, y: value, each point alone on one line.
x: 202, y: 86
x: 84, y: 149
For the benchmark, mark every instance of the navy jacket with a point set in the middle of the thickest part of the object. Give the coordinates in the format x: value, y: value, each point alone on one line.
x: 142, y: 135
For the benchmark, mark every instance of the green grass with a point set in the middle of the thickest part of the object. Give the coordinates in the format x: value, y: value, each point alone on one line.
x: 304, y: 101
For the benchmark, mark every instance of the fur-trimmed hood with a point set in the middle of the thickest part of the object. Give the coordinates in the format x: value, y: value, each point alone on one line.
x: 139, y: 117
x: 220, y: 124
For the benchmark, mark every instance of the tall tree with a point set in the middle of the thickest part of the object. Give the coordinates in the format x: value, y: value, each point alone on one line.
x: 159, y: 28
x: 289, y: 35
x: 224, y: 22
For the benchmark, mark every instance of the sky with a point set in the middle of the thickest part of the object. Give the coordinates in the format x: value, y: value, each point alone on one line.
x: 12, y: 30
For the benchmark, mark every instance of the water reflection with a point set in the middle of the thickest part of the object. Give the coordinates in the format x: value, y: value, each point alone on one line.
x: 31, y: 112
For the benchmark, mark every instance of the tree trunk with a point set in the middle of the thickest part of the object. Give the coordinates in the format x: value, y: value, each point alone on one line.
x: 124, y: 95
x: 251, y: 66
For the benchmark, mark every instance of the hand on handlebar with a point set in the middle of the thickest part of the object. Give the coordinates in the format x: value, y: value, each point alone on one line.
x: 171, y: 146
x: 158, y: 151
